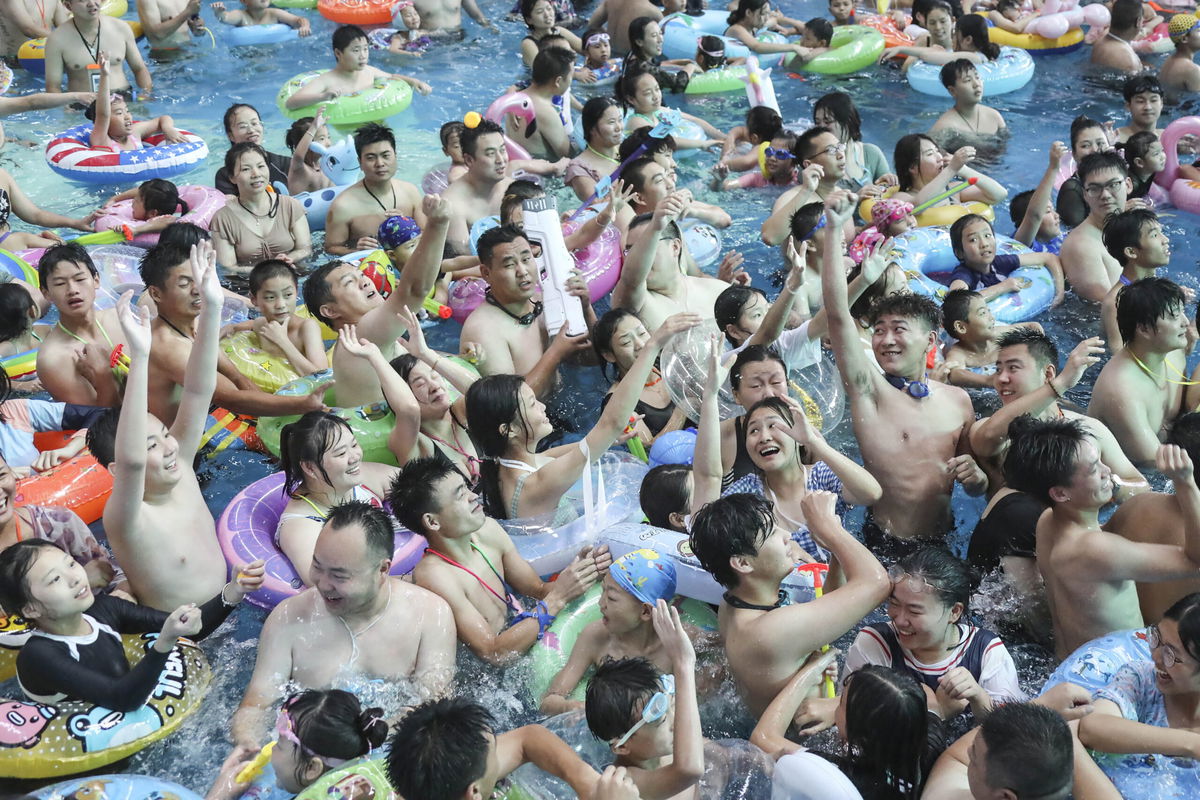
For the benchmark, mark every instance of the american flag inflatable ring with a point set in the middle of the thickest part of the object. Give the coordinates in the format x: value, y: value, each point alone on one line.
x: 70, y: 155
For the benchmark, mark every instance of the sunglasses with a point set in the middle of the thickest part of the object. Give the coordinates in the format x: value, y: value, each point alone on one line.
x: 655, y: 709
x: 771, y: 152
x: 285, y: 729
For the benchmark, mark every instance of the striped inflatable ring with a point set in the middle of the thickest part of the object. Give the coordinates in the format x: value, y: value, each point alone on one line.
x: 71, y: 156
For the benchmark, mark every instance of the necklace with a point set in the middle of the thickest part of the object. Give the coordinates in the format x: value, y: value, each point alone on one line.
x: 272, y: 208
x: 974, y: 126
x: 737, y: 602
x: 1163, y: 377
x: 522, y: 319
x: 93, y: 48
x: 171, y: 325
x: 606, y: 158
x: 655, y: 381
x: 367, y: 189
x: 354, y: 636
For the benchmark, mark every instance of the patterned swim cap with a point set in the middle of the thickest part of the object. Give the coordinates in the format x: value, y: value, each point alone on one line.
x: 864, y: 243
x: 888, y: 211
x: 646, y: 575
x: 395, y: 231
x: 1181, y: 25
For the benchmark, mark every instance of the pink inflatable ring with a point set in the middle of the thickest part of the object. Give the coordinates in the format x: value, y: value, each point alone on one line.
x: 203, y: 203
x: 246, y: 532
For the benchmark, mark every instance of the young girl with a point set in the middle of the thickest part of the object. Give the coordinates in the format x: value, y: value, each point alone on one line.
x: 1146, y: 158
x: 283, y: 335
x: 924, y: 172
x: 762, y: 125
x: 666, y: 496
x: 779, y: 165
x: 927, y: 637
x: 639, y: 92
x: 598, y: 60
x: 752, y: 16
x: 618, y: 339
x: 889, y: 218
x: 304, y: 174
x: 74, y: 650
x: 405, y: 37
x: 710, y: 54
x: 970, y: 41
x: 645, y: 54
x: 114, y: 128
x: 539, y: 16
x: 155, y: 204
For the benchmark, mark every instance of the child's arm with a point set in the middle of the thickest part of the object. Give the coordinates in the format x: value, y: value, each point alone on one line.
x: 277, y: 334
x: 1006, y: 286
x: 129, y: 471
x: 296, y: 21
x: 1032, y: 221
x: 707, y: 127
x: 460, y: 377
x: 200, y: 375
x: 300, y: 153
x: 1051, y: 262
x: 316, y: 91
x: 931, y: 55
x: 418, y: 85
x: 128, y: 194
x: 737, y: 135
x: 403, y: 438
x: 586, y: 651
x: 103, y: 106
x: 396, y: 47
x: 164, y: 125
x: 234, y: 18
x: 1004, y: 23
x: 957, y: 373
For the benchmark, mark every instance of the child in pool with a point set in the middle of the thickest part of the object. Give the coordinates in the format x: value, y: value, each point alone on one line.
x: 19, y: 310
x: 450, y: 134
x: 274, y: 286
x: 304, y: 171
x: 968, y: 117
x: 260, y: 12
x: 398, y: 237
x: 762, y: 125
x: 598, y: 60
x: 888, y: 218
x: 1032, y: 212
x: 351, y: 72
x: 640, y: 92
x: 818, y: 32
x: 971, y: 360
x: 842, y: 12
x: 155, y: 203
x: 539, y: 16
x: 970, y: 41
x: 1007, y: 16
x: 974, y: 242
x: 1146, y: 158
x: 710, y: 54
x: 408, y: 38
x: 666, y: 496
x: 113, y: 126
x: 316, y: 731
x: 778, y: 167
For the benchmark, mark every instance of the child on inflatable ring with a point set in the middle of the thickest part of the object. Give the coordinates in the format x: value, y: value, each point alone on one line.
x: 888, y: 218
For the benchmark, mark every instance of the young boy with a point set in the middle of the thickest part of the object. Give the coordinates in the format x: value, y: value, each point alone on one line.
x: 980, y: 268
x: 1144, y: 101
x: 282, y: 333
x: 259, y: 12
x: 633, y: 586
x: 818, y: 32
x: 762, y: 125
x: 1032, y: 212
x: 1137, y: 241
x: 1179, y: 72
x: 968, y: 117
x: 398, y: 237
x: 450, y: 135
x: 842, y: 12
x: 971, y: 360
x: 351, y: 72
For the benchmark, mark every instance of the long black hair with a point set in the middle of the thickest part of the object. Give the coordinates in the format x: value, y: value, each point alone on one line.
x: 493, y: 403
x: 305, y: 441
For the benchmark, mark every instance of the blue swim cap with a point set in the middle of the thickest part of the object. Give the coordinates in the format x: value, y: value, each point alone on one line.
x: 395, y: 231
x: 646, y: 575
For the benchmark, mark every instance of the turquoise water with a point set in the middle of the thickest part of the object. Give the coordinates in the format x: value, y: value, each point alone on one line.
x: 196, y: 87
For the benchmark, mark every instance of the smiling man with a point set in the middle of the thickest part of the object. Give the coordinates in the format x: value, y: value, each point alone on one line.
x: 1088, y: 267
x: 478, y: 192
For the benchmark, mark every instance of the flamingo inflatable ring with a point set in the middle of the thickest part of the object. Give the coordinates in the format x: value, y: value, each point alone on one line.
x: 518, y: 105
x: 1185, y: 194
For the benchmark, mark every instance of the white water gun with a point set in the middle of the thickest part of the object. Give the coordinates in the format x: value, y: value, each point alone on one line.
x: 542, y: 226
x: 759, y: 89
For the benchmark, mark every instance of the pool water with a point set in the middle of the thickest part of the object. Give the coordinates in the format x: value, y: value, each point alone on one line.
x: 195, y: 87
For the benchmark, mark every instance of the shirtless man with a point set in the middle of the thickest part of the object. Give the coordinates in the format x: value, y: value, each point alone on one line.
x: 1089, y: 572
x: 172, y: 286
x: 73, y: 359
x: 478, y: 192
x: 509, y: 329
x: 22, y: 20
x: 968, y: 118
x: 354, y: 215
x: 550, y: 77
x: 1144, y: 101
x: 913, y: 431
x: 1140, y: 391
x: 1114, y: 50
x: 1087, y: 266
x: 170, y: 24
x: 1180, y: 73
x: 653, y: 283
x: 158, y: 526
x: 446, y: 15
x: 1138, y: 242
x: 736, y: 540
x: 619, y: 14
x: 243, y: 124
x: 73, y: 47
x: 472, y: 564
x: 356, y: 623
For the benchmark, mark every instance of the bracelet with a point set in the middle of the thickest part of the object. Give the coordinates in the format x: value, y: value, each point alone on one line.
x: 1054, y: 389
x: 542, y: 614
x: 225, y: 602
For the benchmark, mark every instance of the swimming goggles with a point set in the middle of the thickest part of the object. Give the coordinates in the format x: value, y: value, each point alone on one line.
x: 655, y: 709
x: 771, y: 152
x: 596, y: 38
x: 285, y: 729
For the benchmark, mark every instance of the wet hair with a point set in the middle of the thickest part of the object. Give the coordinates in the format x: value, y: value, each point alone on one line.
x: 161, y: 197
x: 57, y: 254
x: 183, y: 234
x: 1186, y: 613
x: 413, y: 492
x: 626, y: 86
x: 949, y: 576
x: 1125, y: 14
x: 271, y: 268
x: 517, y: 193
x: 102, y: 436
x: 346, y: 35
x: 975, y: 28
x: 1098, y: 162
x: 602, y: 335
x: 956, y: 307
x: 551, y: 64
x: 1079, y: 125
x: 710, y: 44
x: 763, y: 122
x: 372, y: 133
x: 887, y: 728
x: 840, y: 106
x: 1019, y: 204
x: 665, y: 492
x: 1144, y: 302
x: 1137, y: 146
x: 805, y: 142
x: 729, y: 304
x: 1140, y: 84
x: 448, y: 129
x: 122, y: 95
x: 493, y: 403
x: 306, y: 441
x: 908, y: 306
x: 318, y: 291
x: 439, y: 749
x: 734, y: 525
x: 654, y: 145
x: 1042, y: 454
x: 593, y: 110
x: 15, y: 304
x: 227, y: 119
x: 618, y: 687
x: 376, y: 524
x: 637, y: 33
x: 959, y: 226
x: 1040, y: 346
x: 805, y: 221
x: 634, y: 172
x: 235, y: 152
x: 752, y: 354
x: 15, y: 563
x: 907, y: 156
x: 954, y: 70
x: 744, y: 7
x: 820, y: 28
x: 296, y: 132
x: 159, y: 261
x: 1029, y: 751
x: 333, y: 724
x: 1185, y: 432
x: 491, y: 239
x: 471, y: 136
x: 1124, y: 229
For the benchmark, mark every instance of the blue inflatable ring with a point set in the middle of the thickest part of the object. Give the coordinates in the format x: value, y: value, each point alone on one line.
x: 1012, y: 70
x: 682, y: 32
x: 72, y: 156
x: 248, y: 35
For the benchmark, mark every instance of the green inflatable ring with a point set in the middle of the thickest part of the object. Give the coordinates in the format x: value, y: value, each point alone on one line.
x: 371, y: 424
x: 715, y: 81
x: 854, y: 47
x: 387, y: 97
x: 295, y: 3
x: 344, y: 781
x: 550, y: 654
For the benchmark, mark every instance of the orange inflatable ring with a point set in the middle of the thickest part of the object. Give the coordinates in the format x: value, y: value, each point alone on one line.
x: 78, y: 483
x: 357, y: 12
x: 892, y: 36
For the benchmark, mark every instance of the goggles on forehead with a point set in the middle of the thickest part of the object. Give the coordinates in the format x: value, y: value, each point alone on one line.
x: 596, y: 38
x: 655, y: 709
x: 285, y: 729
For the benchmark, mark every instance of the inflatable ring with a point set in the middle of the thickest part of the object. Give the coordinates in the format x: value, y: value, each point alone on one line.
x: 1184, y: 194
x: 853, y: 48
x: 14, y: 632
x: 1157, y: 42
x: 245, y: 350
x: 371, y: 424
x: 348, y: 781
x: 716, y: 81
x: 892, y: 36
x: 250, y: 35
x: 79, y: 483
x: 43, y: 741
x: 116, y: 787
x: 307, y: 4
x: 681, y: 36
x: 1009, y: 72
x: 20, y: 365
x: 388, y: 96
x: 19, y: 267
x: 357, y: 12
x: 938, y: 215
x: 246, y: 531
x: 1069, y: 42
x: 703, y: 241
x: 316, y: 204
x: 203, y: 203
x: 924, y: 252
x: 550, y: 654
x: 606, y: 76
x: 71, y: 155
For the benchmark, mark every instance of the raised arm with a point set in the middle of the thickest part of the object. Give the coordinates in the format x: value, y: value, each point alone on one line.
x: 630, y: 291
x: 1032, y: 221
x: 200, y: 377
x: 129, y: 471
x: 459, y: 376
x: 399, y: 397
x: 859, y: 375
x: 707, y: 467
x: 859, y: 486
x: 777, y: 315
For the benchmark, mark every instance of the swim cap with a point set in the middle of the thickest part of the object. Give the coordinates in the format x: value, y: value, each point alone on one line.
x: 887, y: 211
x: 864, y: 243
x: 395, y: 231
x: 1181, y: 25
x: 646, y: 575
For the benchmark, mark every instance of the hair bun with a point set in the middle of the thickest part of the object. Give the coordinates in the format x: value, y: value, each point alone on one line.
x: 374, y: 726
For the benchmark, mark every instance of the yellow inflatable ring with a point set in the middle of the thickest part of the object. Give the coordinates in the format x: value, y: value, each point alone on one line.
x: 245, y: 350
x: 1069, y: 41
x: 938, y: 215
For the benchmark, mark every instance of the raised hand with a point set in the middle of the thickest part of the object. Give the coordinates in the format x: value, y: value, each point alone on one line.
x: 674, y: 639
x: 135, y: 325
x: 204, y: 272
x: 1085, y: 354
x: 359, y: 348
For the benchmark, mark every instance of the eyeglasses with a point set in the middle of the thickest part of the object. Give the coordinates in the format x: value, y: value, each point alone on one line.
x: 286, y: 729
x: 1170, y: 655
x: 833, y: 149
x: 655, y: 709
x: 771, y: 152
x: 1097, y: 189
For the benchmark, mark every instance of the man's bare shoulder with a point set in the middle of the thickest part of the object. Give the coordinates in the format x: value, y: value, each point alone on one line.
x: 294, y: 612
x: 411, y: 597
